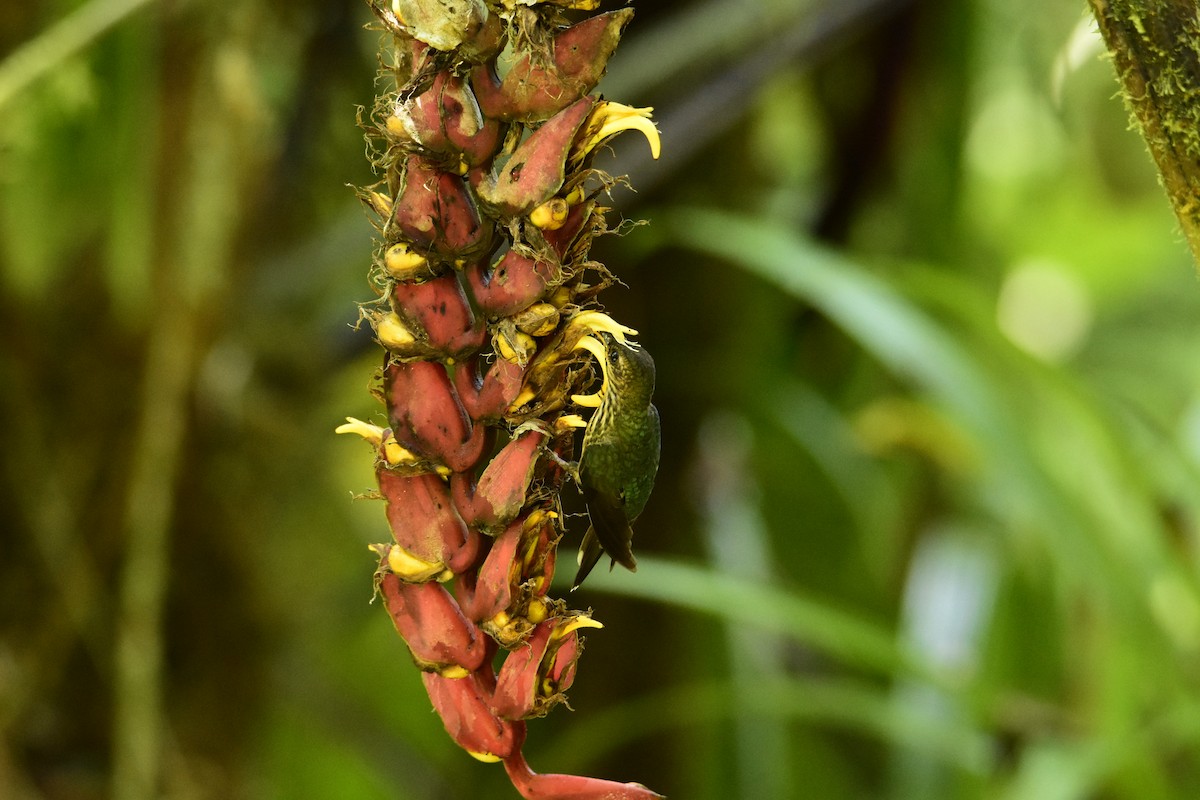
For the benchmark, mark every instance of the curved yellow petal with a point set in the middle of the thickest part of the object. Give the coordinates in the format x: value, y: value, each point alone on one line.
x: 579, y: 621
x: 372, y: 433
x: 571, y: 420
x: 598, y: 321
x: 587, y: 401
x: 592, y: 345
x: 608, y: 119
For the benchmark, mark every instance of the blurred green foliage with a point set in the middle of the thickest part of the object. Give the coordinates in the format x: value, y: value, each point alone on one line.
x: 926, y: 525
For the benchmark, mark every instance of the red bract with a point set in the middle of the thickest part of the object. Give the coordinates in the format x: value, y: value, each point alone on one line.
x: 436, y: 213
x: 430, y: 621
x: 535, y: 89
x: 424, y: 522
x: 494, y: 500
x: 436, y: 311
x: 537, y: 169
x: 487, y: 391
x: 447, y: 120
x: 534, y: 678
x: 462, y: 703
x: 487, y: 209
x: 426, y: 416
x: 514, y: 283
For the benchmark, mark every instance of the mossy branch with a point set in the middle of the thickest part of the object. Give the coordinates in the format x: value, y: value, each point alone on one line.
x: 1156, y: 49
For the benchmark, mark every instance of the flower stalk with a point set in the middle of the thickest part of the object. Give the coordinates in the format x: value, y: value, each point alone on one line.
x: 486, y: 208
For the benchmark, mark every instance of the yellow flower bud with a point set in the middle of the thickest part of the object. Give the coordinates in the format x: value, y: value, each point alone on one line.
x: 569, y: 421
x: 550, y: 215
x: 514, y: 346
x: 395, y: 127
x: 487, y: 758
x: 394, y: 453
x: 537, y: 610
x: 392, y: 332
x: 409, y: 568
x: 403, y: 264
x: 559, y: 297
x: 537, y: 320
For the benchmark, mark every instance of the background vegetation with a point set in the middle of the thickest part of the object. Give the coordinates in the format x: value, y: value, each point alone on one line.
x: 926, y: 335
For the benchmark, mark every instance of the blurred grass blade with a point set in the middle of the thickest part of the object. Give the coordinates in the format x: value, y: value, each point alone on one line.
x: 60, y: 42
x: 853, y: 705
x: 826, y: 435
x: 949, y: 603
x: 936, y: 360
x: 768, y: 608
x: 728, y: 500
x: 866, y: 308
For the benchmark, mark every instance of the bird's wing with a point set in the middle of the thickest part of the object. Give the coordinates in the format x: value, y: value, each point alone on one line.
x: 611, y: 525
x: 589, y: 554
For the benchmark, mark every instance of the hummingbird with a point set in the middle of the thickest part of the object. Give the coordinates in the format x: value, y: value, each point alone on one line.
x: 619, y: 458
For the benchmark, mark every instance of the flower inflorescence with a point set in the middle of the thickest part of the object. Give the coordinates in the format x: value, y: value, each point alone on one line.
x: 486, y: 207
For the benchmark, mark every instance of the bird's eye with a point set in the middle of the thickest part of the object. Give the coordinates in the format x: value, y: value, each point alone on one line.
x: 613, y: 356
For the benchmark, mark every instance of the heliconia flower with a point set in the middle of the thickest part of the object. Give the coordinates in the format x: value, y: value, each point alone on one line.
x: 425, y: 522
x: 487, y: 205
x: 498, y: 495
x: 605, y: 120
x: 390, y: 451
x: 536, y: 170
x: 512, y: 284
x: 534, y: 677
x: 537, y: 88
x: 435, y: 212
x: 429, y: 620
x: 427, y: 417
x: 462, y: 703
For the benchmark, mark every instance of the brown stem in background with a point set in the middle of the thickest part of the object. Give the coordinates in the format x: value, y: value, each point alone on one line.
x: 1156, y: 48
x: 192, y: 274
x: 138, y: 724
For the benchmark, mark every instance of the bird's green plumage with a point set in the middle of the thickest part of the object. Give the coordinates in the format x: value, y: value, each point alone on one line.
x: 620, y: 455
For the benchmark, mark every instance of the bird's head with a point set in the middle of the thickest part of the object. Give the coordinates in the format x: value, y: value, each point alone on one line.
x: 626, y: 367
